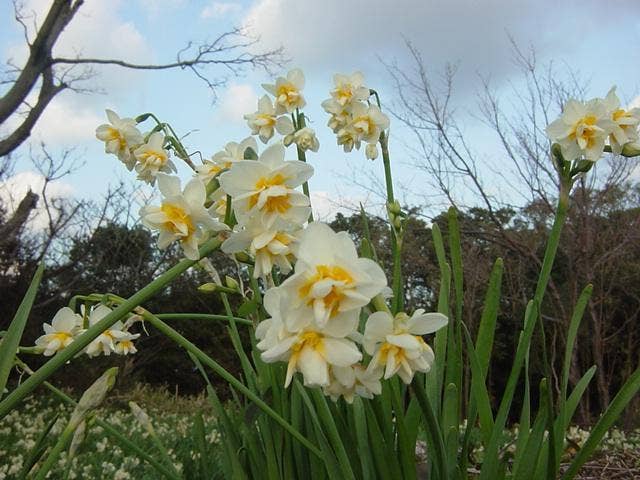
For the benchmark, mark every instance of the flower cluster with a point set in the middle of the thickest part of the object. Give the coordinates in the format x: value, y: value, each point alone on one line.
x: 585, y: 128
x: 145, y: 154
x: 353, y: 119
x: 315, y: 314
x: 273, y: 115
x: 68, y: 325
x: 268, y: 208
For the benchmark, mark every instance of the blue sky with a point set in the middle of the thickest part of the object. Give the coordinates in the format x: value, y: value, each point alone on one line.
x: 597, y: 38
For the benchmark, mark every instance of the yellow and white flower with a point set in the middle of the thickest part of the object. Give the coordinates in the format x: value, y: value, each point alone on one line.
x: 266, y: 188
x: 311, y: 352
x: 582, y: 129
x: 368, y: 122
x: 347, y: 382
x: 305, y: 139
x: 349, y: 88
x: 181, y: 215
x: 287, y: 92
x: 624, y: 123
x: 153, y: 158
x: 65, y: 325
x: 268, y: 247
x: 266, y: 120
x: 396, y: 344
x: 119, y: 137
x: 340, y: 114
x: 222, y: 160
x: 330, y: 284
x: 109, y: 340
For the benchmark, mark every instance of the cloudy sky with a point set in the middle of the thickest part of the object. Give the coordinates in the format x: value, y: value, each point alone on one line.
x: 599, y: 38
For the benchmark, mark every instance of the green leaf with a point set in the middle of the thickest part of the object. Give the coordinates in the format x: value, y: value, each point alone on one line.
x: 248, y: 307
x: 362, y: 439
x: 621, y: 400
x: 479, y: 392
x: 435, y: 441
x: 11, y: 340
x: 525, y: 468
x: 487, y: 328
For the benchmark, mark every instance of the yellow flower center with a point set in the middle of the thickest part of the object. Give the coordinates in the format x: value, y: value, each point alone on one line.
x: 618, y: 114
x: 287, y: 93
x: 279, y: 203
x: 344, y: 94
x: 269, y: 120
x: 154, y: 158
x: 176, y: 217
x: 114, y: 134
x: 336, y: 294
x: 308, y: 339
x: 62, y: 337
x: 587, y: 128
x: 390, y: 349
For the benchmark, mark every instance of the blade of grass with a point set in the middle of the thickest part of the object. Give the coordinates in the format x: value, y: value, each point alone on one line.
x: 621, y: 400
x: 11, y: 340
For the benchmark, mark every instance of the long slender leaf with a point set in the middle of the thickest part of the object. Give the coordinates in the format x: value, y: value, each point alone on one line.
x: 487, y: 328
x: 525, y: 468
x: 621, y: 400
x: 11, y: 340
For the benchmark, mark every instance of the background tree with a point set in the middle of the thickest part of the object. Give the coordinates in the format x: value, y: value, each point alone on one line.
x: 48, y: 74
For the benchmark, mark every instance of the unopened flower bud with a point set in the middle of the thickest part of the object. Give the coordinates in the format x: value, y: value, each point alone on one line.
x: 287, y: 140
x: 78, y: 437
x: 243, y: 257
x: 394, y: 207
x: 141, y: 416
x: 93, y: 396
x: 231, y: 283
x: 397, y: 223
x: 631, y: 149
x: 142, y: 118
x: 207, y: 288
x: 371, y: 151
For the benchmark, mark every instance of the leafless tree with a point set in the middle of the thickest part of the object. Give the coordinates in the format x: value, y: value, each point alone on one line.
x: 212, y: 62
x: 425, y: 105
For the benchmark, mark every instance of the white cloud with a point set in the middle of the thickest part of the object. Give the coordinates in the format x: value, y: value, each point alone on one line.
x: 326, y: 205
x: 339, y: 35
x: 635, y: 103
x: 219, y: 9
x: 236, y: 101
x: 14, y: 188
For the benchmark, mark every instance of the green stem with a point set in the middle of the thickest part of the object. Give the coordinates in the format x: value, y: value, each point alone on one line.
x: 92, y: 332
x: 55, y: 452
x: 302, y: 156
x: 202, y: 316
x: 233, y: 381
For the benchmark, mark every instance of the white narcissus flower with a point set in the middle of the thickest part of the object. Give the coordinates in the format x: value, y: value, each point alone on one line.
x: 581, y: 129
x: 310, y: 352
x: 330, y: 284
x: 266, y: 120
x: 305, y: 139
x: 396, y: 344
x: 181, y: 216
x: 153, y: 158
x: 222, y: 160
x: 349, y: 88
x: 368, y: 122
x: 347, y: 382
x: 60, y: 333
x: 268, y: 247
x: 267, y: 187
x: 109, y: 340
x: 288, y: 91
x: 624, y: 123
x: 120, y: 137
x: 340, y: 115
